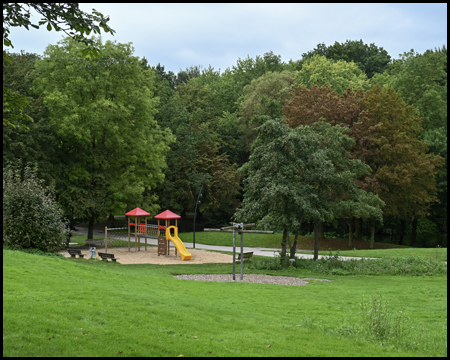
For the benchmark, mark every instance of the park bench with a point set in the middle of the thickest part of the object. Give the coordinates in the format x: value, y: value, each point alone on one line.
x: 247, y: 255
x: 74, y: 252
x: 106, y: 256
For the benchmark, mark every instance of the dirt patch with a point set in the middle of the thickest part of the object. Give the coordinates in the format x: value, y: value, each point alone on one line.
x: 250, y: 278
x: 151, y: 256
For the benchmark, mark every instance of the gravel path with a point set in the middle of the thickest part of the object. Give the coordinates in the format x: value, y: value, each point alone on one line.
x: 250, y: 278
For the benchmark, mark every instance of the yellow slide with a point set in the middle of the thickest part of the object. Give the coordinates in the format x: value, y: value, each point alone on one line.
x: 185, y: 255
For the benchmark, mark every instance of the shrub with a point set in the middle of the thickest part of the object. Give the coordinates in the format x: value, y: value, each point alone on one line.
x: 31, y: 217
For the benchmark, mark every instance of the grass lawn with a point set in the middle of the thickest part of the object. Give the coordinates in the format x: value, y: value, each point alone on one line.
x: 437, y: 253
x: 56, y: 307
x: 274, y: 241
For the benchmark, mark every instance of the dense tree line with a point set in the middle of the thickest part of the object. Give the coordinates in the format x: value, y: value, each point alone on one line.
x: 344, y: 136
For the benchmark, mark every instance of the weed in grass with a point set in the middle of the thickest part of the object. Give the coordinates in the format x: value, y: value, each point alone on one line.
x: 378, y: 320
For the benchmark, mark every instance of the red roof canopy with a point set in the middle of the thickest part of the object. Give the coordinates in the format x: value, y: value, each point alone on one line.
x: 167, y: 215
x: 137, y: 212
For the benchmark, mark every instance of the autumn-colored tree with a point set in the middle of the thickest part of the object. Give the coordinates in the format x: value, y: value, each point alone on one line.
x: 385, y: 131
x: 404, y: 171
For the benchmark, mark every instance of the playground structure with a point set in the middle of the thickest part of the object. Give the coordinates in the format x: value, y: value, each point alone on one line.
x: 164, y: 242
x: 157, y: 232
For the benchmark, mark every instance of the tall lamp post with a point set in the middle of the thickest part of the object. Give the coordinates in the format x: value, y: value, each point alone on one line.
x: 195, y: 212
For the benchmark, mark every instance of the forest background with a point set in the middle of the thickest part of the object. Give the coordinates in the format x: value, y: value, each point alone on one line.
x: 112, y: 133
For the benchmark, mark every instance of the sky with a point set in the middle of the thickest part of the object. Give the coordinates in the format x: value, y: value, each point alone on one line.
x: 182, y: 35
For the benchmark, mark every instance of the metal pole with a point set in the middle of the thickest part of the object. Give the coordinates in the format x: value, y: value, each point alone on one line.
x: 234, y: 254
x: 195, y: 212
x: 242, y: 252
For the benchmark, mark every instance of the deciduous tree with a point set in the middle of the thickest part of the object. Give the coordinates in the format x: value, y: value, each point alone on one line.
x: 112, y: 152
x: 340, y: 74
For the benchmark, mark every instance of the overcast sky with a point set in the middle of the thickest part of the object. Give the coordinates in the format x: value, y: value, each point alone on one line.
x: 182, y: 35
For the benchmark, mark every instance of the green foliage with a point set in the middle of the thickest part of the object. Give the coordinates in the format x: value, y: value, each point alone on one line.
x: 111, y: 150
x: 414, y: 265
x: 340, y: 74
x: 31, y: 217
x: 302, y: 173
x: 249, y: 69
x: 371, y: 59
x: 426, y: 226
x: 66, y: 17
x: 31, y: 142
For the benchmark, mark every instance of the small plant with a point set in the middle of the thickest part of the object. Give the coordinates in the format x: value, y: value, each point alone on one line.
x: 378, y: 320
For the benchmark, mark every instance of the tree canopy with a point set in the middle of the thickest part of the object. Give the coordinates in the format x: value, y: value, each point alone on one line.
x: 111, y: 150
x: 340, y: 74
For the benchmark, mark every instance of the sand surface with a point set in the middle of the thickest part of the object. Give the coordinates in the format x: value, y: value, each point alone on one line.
x: 151, y: 256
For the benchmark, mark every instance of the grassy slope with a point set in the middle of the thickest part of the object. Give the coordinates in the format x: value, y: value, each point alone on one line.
x: 54, y: 307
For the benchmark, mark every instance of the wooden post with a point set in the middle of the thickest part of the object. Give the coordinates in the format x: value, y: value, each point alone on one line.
x: 167, y: 241
x: 145, y: 229
x: 135, y: 233
x: 106, y: 239
x: 129, y: 232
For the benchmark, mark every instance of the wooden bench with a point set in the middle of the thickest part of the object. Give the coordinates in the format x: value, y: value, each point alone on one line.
x: 247, y: 255
x: 106, y: 256
x: 74, y: 252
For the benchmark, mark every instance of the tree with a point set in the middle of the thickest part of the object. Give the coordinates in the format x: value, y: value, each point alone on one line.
x: 421, y: 80
x: 301, y: 174
x: 340, y: 74
x: 32, y: 219
x: 264, y: 96
x: 371, y: 59
x: 34, y: 144
x: 111, y: 150
x: 249, y: 69
x: 66, y: 17
x: 403, y: 168
x: 385, y: 131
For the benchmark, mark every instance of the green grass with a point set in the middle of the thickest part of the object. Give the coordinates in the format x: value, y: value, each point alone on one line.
x: 56, y: 307
x: 436, y: 253
x: 274, y: 241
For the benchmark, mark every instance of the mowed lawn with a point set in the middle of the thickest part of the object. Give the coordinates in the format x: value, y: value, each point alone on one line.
x: 55, y: 307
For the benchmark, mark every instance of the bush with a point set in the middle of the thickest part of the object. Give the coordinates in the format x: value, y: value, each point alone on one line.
x: 31, y: 217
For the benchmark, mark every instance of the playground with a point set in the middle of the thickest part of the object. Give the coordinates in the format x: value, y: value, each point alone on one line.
x: 170, y: 249
x: 151, y: 256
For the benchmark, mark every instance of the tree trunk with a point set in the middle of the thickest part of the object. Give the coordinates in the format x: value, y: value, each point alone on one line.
x: 293, y: 248
x: 414, y: 232
x: 321, y: 230
x: 316, y: 238
x: 350, y: 232
x: 283, y: 245
x: 372, y: 233
x: 112, y: 219
x: 402, y: 231
x: 358, y: 228
x: 90, y: 234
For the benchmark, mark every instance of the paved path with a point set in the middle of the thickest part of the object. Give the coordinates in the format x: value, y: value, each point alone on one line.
x: 256, y: 250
